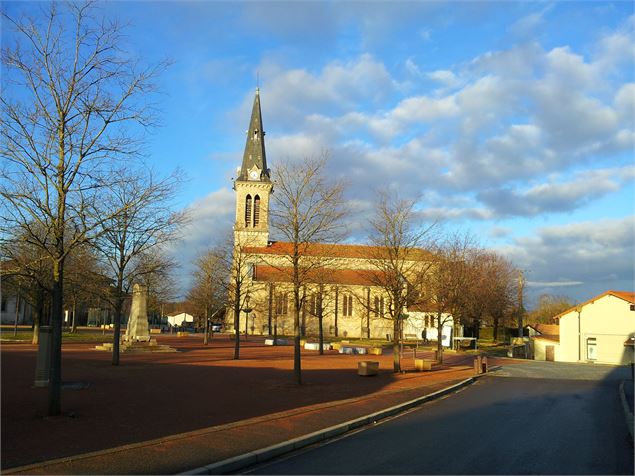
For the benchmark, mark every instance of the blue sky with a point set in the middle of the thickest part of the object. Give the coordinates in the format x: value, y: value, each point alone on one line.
x: 514, y: 120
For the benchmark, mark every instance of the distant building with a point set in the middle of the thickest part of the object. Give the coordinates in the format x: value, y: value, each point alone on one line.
x: 599, y: 330
x: 178, y: 320
x: 8, y: 304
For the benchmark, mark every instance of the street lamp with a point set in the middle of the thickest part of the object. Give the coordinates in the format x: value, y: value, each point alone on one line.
x: 578, y: 309
x: 246, y: 310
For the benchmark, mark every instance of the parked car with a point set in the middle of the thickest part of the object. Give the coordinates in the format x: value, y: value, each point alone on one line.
x: 216, y: 326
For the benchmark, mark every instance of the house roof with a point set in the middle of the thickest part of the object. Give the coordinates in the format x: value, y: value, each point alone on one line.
x: 549, y: 338
x: 548, y: 329
x: 332, y: 250
x: 627, y: 296
x: 549, y: 332
x: 349, y: 277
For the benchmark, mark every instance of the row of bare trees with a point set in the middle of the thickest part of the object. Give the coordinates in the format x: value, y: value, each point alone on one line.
x: 414, y: 263
x: 75, y: 109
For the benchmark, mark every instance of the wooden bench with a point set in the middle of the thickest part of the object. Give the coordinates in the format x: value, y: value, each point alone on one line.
x: 367, y: 368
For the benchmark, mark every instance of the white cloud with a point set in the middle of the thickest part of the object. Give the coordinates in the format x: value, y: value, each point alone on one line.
x: 445, y: 77
x: 556, y: 196
x: 512, y: 129
x: 553, y: 284
x: 595, y: 253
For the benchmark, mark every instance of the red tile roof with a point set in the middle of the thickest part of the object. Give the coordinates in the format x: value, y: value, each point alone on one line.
x: 627, y: 296
x: 331, y: 250
x: 548, y: 329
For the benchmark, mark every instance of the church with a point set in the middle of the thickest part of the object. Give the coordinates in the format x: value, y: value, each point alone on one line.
x: 344, y: 296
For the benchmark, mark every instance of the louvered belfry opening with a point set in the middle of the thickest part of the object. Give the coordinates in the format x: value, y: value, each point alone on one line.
x: 256, y: 210
x: 248, y: 210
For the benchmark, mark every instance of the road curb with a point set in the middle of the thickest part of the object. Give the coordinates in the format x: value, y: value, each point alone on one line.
x: 627, y: 410
x: 247, y: 459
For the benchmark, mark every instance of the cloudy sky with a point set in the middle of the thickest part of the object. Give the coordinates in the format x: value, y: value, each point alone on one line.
x: 514, y: 120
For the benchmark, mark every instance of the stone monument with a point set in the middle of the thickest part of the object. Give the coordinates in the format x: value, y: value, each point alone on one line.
x: 137, y: 337
x: 137, y: 330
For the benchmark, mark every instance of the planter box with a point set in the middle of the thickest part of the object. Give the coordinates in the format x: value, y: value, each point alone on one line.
x: 423, y: 365
x: 316, y: 346
x: 278, y: 342
x: 367, y: 368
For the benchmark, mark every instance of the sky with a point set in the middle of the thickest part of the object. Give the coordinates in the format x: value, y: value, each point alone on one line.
x: 514, y: 121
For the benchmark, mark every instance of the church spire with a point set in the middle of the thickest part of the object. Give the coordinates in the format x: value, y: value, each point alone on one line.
x: 254, y: 166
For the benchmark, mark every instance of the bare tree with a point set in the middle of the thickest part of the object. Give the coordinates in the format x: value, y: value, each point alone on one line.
x: 307, y: 209
x: 130, y: 242
x: 319, y: 300
x: 548, y: 306
x: 499, y: 292
x: 30, y: 267
x: 84, y: 280
x: 448, y: 283
x: 401, y: 260
x: 238, y: 266
x: 69, y: 94
x: 208, y: 294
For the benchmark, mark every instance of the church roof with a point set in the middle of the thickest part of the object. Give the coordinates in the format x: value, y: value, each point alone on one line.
x: 350, y: 277
x: 254, y: 155
x: 331, y: 250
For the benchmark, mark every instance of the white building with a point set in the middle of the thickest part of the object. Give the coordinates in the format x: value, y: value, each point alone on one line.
x: 598, y: 330
x: 180, y: 319
x: 8, y: 308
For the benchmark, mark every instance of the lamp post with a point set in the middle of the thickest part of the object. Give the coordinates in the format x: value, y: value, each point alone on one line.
x: 246, y: 310
x: 578, y: 309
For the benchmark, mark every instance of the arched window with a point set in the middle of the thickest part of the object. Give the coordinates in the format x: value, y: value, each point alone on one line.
x: 379, y: 306
x: 256, y: 210
x: 347, y: 305
x: 248, y: 210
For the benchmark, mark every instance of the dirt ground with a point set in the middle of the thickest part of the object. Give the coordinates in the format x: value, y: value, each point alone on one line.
x: 152, y: 395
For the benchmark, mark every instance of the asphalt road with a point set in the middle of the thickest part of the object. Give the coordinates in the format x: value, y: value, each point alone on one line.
x: 573, y: 424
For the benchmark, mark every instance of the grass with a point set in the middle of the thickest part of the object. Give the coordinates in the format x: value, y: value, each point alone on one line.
x: 6, y: 335
x: 495, y: 349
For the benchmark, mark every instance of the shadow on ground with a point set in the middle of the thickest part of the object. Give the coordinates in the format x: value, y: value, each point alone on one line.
x: 153, y: 395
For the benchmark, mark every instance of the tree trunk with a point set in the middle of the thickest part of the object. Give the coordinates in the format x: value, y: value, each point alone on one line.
x: 205, y: 341
x: 495, y: 330
x: 395, y: 346
x: 297, y: 369
x: 237, y: 327
x: 269, y: 311
x: 73, y: 322
x: 320, y: 316
x: 439, y: 339
x: 39, y: 310
x: 55, y: 370
x: 116, y: 338
x: 336, y: 310
x: 17, y: 314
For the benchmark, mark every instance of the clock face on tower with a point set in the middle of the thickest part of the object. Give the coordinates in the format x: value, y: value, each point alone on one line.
x: 253, y: 175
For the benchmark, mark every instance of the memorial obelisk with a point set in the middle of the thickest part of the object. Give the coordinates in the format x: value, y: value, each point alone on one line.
x: 137, y: 330
x: 137, y: 337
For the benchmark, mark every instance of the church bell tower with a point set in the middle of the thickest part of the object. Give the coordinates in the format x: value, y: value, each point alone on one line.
x: 253, y: 186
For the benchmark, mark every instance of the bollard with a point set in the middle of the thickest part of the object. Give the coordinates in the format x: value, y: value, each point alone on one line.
x: 43, y: 361
x: 477, y: 364
x: 484, y: 364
